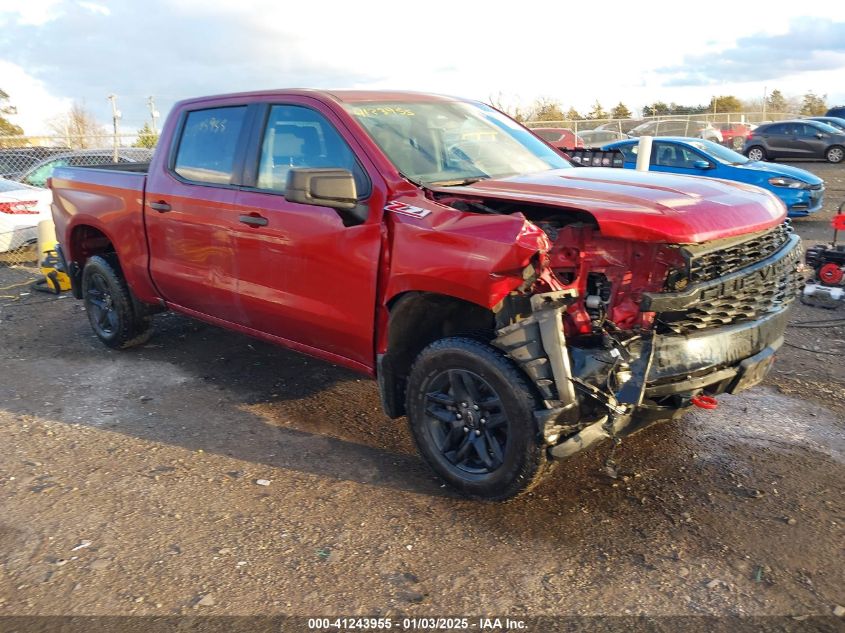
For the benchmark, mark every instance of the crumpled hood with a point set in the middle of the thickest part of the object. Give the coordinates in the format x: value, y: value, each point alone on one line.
x: 646, y: 206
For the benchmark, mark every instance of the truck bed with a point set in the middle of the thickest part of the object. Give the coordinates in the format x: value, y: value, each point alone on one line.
x: 110, y: 202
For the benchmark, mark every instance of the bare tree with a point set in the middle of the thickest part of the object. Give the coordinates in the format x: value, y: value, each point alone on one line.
x: 79, y: 128
x: 513, y: 111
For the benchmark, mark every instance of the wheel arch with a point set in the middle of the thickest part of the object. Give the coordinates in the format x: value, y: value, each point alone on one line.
x: 417, y: 319
x: 85, y: 241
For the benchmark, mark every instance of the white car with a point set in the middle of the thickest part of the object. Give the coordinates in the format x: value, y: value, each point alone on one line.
x: 21, y: 209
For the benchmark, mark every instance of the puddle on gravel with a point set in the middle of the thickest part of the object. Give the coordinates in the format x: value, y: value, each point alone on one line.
x: 764, y: 417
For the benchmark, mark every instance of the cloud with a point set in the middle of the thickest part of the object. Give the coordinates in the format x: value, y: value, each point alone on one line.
x: 33, y: 102
x: 810, y: 44
x: 161, y: 48
x: 29, y: 12
x: 93, y: 7
x: 84, y: 50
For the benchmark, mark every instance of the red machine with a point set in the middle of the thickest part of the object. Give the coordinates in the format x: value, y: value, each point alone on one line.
x: 826, y: 288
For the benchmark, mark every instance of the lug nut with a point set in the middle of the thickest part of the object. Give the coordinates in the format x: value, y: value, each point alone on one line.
x: 483, y: 420
x: 475, y: 406
x: 459, y: 416
x: 466, y: 429
x: 463, y: 404
x: 477, y: 432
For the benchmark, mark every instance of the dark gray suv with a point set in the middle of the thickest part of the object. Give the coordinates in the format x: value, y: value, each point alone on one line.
x: 796, y: 139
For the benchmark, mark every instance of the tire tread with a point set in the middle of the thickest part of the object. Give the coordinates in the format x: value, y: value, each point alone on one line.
x: 536, y: 464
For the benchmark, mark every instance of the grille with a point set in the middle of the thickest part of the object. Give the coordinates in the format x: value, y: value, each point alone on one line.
x: 718, y: 263
x: 744, y: 299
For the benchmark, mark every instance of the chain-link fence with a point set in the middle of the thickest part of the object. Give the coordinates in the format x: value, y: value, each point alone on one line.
x: 729, y: 129
x: 625, y: 125
x: 25, y: 165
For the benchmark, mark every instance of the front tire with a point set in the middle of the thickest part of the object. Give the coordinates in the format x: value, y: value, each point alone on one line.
x: 108, y: 303
x: 756, y: 153
x: 835, y: 154
x: 470, y: 410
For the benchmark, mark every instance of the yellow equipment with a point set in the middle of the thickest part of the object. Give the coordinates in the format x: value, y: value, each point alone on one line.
x: 55, y: 278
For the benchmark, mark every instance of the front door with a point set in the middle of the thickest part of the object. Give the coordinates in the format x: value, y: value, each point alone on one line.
x: 303, y: 275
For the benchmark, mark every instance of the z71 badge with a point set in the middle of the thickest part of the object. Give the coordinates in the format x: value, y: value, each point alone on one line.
x: 406, y: 209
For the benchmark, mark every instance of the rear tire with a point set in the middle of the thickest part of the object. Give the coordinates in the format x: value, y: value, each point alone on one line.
x: 113, y: 315
x: 756, y: 153
x: 835, y: 154
x: 470, y: 410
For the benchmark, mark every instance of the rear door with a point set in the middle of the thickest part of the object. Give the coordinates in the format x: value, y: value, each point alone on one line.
x: 303, y: 274
x: 191, y: 213
x: 777, y: 140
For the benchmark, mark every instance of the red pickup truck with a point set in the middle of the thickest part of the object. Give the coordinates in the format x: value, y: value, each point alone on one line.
x: 516, y: 308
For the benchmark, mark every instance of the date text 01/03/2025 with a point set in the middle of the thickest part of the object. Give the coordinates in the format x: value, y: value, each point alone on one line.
x: 416, y: 624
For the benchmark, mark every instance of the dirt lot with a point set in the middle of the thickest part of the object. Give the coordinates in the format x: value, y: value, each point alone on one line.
x: 128, y: 486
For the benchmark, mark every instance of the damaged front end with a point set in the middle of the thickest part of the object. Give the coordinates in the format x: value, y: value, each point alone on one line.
x: 616, y: 334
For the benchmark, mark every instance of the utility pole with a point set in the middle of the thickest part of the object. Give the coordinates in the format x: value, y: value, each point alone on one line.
x: 765, y: 93
x: 151, y: 104
x: 115, y: 115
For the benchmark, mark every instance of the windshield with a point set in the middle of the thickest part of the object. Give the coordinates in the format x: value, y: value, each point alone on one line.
x: 719, y: 152
x: 38, y: 177
x: 826, y: 127
x: 453, y: 142
x: 839, y: 124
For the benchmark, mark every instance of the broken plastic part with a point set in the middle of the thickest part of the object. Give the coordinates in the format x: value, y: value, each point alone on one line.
x: 704, y: 402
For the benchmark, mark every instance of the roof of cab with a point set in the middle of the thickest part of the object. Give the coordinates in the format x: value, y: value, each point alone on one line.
x: 341, y: 96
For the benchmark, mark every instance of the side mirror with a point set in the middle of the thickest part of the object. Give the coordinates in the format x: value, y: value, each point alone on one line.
x: 702, y: 164
x: 334, y: 188
x: 819, y: 135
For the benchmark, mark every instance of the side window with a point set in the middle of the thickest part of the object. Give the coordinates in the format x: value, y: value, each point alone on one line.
x: 207, y: 148
x: 663, y: 155
x: 808, y: 130
x: 775, y: 129
x: 630, y: 152
x: 297, y: 136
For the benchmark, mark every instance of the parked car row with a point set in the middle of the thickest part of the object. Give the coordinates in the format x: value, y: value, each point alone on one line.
x: 802, y: 138
x: 801, y: 191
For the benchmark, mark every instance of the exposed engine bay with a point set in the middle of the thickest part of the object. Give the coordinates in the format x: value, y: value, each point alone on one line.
x: 619, y: 333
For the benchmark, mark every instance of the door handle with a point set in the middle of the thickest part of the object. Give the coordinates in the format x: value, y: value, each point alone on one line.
x: 253, y: 220
x: 160, y: 206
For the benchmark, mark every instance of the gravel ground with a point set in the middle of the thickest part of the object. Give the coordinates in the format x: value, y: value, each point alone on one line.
x: 208, y: 473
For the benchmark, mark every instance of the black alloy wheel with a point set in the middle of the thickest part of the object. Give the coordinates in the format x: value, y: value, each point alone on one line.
x: 466, y: 421
x: 118, y: 321
x: 100, y: 303
x: 471, y: 414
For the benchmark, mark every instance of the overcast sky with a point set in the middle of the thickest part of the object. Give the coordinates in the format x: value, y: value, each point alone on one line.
x: 53, y: 52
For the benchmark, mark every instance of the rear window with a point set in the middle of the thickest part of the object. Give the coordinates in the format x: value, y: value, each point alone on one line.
x: 206, y: 151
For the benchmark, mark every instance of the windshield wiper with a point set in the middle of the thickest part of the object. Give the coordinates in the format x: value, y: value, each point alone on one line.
x: 457, y: 182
